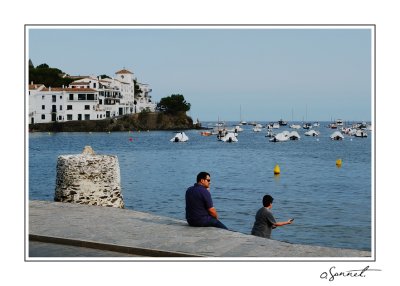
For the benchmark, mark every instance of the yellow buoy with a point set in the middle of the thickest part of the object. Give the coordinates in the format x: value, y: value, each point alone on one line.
x: 277, y: 170
x: 339, y: 162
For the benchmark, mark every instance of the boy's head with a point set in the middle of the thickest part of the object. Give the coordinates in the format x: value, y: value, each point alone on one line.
x: 267, y: 200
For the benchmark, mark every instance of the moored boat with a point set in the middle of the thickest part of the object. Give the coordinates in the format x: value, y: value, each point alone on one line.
x: 229, y: 137
x: 311, y: 132
x: 179, y: 137
x: 337, y: 136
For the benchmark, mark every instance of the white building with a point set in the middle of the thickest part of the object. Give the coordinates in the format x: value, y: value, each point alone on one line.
x: 89, y: 98
x: 64, y: 104
x: 143, y: 99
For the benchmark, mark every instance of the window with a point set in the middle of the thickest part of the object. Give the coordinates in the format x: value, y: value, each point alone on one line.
x: 59, y: 118
x: 69, y: 107
x: 43, y: 107
x: 53, y: 98
x: 60, y: 96
x: 71, y: 96
x: 94, y: 85
x: 69, y: 116
x: 90, y: 96
x: 60, y: 107
x: 43, y: 116
x: 87, y: 116
x: 42, y: 97
x: 81, y: 96
x: 87, y: 107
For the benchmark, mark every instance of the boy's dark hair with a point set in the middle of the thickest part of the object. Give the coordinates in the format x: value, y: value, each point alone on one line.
x: 202, y: 175
x: 267, y: 200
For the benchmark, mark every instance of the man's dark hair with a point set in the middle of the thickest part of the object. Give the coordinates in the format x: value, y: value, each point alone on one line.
x: 202, y: 175
x: 267, y: 200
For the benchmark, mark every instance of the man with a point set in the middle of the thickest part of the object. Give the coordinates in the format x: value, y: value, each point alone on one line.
x: 199, y: 205
x: 265, y: 221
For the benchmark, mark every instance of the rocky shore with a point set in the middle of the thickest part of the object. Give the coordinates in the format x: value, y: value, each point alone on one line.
x: 138, y: 121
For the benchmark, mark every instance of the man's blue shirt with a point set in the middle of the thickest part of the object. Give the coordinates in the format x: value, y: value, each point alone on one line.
x: 198, y: 201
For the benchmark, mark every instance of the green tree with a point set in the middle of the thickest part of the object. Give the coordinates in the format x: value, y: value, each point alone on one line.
x: 50, y: 77
x: 173, y: 104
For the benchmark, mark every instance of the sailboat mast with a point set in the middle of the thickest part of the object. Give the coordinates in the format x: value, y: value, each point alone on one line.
x: 306, y: 112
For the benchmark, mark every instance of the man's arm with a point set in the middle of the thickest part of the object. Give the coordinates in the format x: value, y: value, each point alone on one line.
x: 213, y: 212
x: 281, y: 223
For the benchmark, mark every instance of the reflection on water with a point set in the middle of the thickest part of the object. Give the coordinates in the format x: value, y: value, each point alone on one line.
x: 331, y: 205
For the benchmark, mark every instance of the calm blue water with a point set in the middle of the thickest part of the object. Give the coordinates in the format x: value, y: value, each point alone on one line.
x: 331, y: 206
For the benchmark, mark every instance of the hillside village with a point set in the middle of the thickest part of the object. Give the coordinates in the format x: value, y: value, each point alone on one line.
x: 89, y: 98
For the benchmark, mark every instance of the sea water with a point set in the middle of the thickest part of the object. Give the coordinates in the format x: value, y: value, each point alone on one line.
x: 331, y: 205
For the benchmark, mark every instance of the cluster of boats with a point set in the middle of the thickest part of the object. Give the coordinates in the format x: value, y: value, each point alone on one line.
x: 230, y: 135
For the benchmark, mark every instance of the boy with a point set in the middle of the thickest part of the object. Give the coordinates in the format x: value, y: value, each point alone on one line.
x: 265, y: 220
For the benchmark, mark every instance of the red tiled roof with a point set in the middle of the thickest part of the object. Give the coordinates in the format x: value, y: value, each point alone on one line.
x: 123, y: 71
x: 77, y: 76
x: 80, y: 89
x: 35, y: 86
x: 80, y: 83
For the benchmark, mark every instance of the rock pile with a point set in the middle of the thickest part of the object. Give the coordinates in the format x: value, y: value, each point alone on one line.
x: 89, y: 179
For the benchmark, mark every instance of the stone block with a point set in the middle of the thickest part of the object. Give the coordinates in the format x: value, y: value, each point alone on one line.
x: 89, y: 178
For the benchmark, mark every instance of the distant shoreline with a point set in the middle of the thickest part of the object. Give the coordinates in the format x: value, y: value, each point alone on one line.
x: 139, y: 121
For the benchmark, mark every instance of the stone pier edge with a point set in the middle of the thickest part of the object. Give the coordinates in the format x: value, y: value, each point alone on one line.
x: 109, y: 247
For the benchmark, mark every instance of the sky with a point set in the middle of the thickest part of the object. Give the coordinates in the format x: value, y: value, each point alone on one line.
x: 256, y: 73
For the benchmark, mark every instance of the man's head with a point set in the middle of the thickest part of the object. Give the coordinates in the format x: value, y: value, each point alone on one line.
x: 203, y: 178
x: 267, y: 200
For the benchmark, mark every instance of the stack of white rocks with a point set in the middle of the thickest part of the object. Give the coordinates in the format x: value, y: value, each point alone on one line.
x: 89, y: 179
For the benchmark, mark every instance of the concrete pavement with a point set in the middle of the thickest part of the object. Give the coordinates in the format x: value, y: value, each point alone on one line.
x: 136, y: 233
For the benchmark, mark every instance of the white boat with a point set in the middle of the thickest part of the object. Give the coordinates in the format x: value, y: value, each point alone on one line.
x: 293, y: 135
x: 282, y: 122
x: 257, y: 128
x: 238, y: 129
x: 311, y: 133
x: 339, y: 122
x: 270, y: 134
x: 337, y: 135
x: 275, y: 125
x: 361, y: 133
x: 179, y: 137
x: 280, y: 137
x: 229, y: 137
x: 295, y: 126
x: 316, y: 124
x: 307, y: 125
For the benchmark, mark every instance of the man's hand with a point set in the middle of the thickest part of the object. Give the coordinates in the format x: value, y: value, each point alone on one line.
x: 213, y: 212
